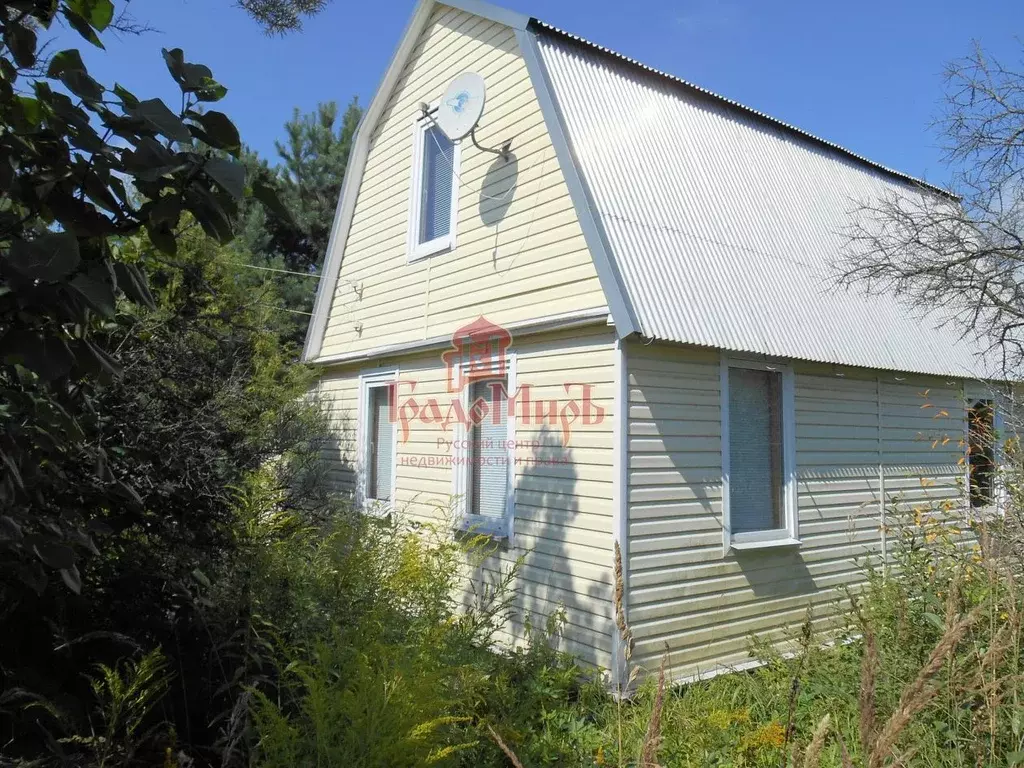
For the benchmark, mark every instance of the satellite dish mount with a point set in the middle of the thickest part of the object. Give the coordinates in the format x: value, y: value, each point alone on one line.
x: 460, y: 110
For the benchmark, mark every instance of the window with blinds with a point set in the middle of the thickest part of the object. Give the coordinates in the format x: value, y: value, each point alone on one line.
x: 756, y: 463
x: 437, y: 177
x: 381, y: 446
x: 488, y: 454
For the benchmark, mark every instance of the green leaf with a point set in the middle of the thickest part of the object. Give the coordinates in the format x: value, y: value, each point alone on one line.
x: 32, y: 575
x: 230, y: 176
x: 210, y: 214
x: 97, y: 292
x: 72, y: 578
x: 220, y: 132
x: 55, y: 555
x: 99, y: 13
x: 162, y: 237
x: 67, y: 66
x: 175, y: 60
x: 1015, y: 758
x: 31, y: 110
x: 128, y: 99
x: 21, y: 40
x: 82, y: 85
x: 49, y: 257
x: 201, y: 577
x: 150, y: 160
x: 197, y: 77
x: 132, y: 282
x: 82, y: 27
x: 9, y: 529
x: 210, y: 91
x: 100, y: 193
x: 268, y: 197
x: 65, y: 61
x: 193, y: 78
x: 93, y: 359
x: 166, y: 211
x: 47, y: 356
x: 156, y: 114
x: 936, y: 621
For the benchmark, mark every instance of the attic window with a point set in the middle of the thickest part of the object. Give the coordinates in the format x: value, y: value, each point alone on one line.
x: 433, y: 205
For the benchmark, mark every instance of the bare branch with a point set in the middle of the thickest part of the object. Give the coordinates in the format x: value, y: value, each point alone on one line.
x: 964, y: 257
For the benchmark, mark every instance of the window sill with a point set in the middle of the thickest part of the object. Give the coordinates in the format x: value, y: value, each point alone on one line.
x: 785, y: 541
x: 433, y: 248
x: 492, y: 528
x: 377, y: 508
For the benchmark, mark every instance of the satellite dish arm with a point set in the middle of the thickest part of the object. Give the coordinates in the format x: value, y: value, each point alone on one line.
x: 504, y: 152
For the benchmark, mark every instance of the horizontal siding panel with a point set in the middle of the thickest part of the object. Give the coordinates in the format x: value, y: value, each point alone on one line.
x: 533, y: 264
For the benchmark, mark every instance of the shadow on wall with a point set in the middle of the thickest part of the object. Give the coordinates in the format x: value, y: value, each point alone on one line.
x: 761, y: 569
x: 498, y: 189
x: 554, y: 547
x: 334, y: 467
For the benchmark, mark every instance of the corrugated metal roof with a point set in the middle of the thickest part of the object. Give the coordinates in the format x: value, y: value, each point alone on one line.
x: 700, y: 90
x: 725, y: 224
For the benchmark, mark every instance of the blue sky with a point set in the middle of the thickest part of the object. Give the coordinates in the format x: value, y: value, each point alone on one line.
x: 866, y: 75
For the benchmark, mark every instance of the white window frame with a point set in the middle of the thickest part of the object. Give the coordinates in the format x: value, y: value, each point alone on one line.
x: 368, y: 381
x: 415, y: 249
x: 499, y: 528
x: 789, y: 534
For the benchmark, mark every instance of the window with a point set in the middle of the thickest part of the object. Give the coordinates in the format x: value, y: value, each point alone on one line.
x: 435, y: 191
x: 488, y: 450
x: 379, y: 481
x: 758, y: 455
x: 377, y: 436
x: 981, y: 453
x: 484, y: 454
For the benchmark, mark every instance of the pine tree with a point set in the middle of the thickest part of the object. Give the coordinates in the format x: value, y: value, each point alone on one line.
x: 308, y: 182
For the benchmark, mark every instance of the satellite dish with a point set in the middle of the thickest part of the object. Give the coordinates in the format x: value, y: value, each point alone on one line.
x: 461, y: 106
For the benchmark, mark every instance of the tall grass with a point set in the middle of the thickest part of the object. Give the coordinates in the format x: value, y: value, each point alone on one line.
x: 360, y: 647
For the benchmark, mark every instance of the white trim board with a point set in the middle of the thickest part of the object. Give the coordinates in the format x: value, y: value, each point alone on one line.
x: 560, y: 322
x: 620, y: 508
x: 608, y: 273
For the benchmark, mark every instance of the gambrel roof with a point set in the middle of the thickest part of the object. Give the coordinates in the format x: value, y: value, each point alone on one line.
x: 709, y: 223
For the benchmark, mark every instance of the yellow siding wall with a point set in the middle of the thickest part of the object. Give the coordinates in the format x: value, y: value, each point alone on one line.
x: 684, y: 593
x: 531, y: 262
x: 563, y: 525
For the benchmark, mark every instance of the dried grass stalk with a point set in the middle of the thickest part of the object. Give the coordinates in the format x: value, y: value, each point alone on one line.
x: 504, y: 747
x: 652, y: 739
x: 919, y: 692
x: 866, y: 695
x: 620, y: 611
x: 843, y: 751
x: 813, y: 755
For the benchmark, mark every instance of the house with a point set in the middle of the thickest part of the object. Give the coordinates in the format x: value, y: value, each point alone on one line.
x: 623, y: 331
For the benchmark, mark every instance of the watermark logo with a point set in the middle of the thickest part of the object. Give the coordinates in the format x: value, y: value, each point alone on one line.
x: 479, y: 352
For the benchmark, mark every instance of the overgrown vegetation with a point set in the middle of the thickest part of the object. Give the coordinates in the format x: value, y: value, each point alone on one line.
x: 179, y: 587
